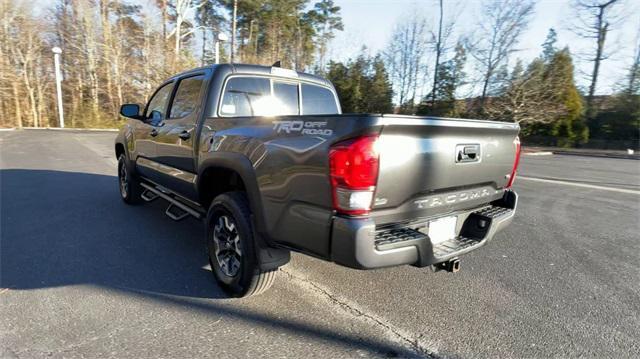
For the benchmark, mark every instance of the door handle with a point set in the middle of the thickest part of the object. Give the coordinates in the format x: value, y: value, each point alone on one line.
x: 185, y: 135
x: 153, y: 133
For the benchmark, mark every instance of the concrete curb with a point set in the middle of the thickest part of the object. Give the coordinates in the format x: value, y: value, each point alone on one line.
x: 598, y: 154
x: 71, y: 129
x: 541, y: 151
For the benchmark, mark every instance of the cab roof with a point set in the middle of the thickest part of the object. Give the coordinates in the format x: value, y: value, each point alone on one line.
x: 263, y: 70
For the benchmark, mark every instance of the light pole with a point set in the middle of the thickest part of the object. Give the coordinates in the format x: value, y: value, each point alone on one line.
x: 220, y: 38
x: 56, y: 61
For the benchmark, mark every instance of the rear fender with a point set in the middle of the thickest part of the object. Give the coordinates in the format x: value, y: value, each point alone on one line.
x: 243, y: 167
x: 270, y: 257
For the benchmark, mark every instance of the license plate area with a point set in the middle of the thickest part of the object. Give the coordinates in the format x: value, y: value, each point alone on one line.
x: 442, y: 229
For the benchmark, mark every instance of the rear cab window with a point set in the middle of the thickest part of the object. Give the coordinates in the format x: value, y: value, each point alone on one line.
x: 286, y: 98
x: 245, y: 96
x: 318, y: 100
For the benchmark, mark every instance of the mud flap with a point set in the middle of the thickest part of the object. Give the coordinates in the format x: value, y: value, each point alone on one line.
x: 269, y: 258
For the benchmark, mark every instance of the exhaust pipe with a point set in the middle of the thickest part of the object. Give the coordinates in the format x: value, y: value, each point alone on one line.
x: 451, y: 266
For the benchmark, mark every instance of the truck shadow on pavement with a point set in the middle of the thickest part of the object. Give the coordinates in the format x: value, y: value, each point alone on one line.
x: 67, y: 228
x: 64, y: 228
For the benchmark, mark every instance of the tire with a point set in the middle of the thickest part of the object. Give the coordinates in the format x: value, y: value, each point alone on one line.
x: 231, y: 247
x: 130, y: 189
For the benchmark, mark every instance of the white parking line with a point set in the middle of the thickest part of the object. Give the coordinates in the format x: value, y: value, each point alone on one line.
x: 577, y: 184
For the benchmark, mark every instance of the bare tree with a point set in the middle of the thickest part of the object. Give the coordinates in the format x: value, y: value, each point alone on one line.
x: 9, y: 77
x: 530, y: 97
x: 92, y: 44
x: 405, y: 57
x: 26, y: 54
x: 500, y: 27
x: 594, y: 20
x: 21, y: 77
x: 441, y: 46
x: 633, y: 79
x: 234, y: 22
x: 108, y: 44
x: 163, y: 5
x: 182, y: 8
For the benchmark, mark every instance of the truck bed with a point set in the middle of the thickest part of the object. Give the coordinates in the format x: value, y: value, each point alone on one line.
x: 420, y: 176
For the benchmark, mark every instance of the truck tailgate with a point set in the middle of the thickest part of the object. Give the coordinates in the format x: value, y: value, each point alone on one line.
x: 434, y: 166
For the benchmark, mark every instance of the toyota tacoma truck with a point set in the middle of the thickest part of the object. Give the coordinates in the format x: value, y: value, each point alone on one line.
x: 264, y: 157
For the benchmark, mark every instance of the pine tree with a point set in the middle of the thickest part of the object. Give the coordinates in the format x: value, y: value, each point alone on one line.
x: 338, y: 74
x: 326, y: 21
x: 569, y: 127
x: 549, y: 45
x: 451, y: 77
x: 379, y: 89
x: 358, y: 80
x: 622, y: 121
x: 362, y: 85
x: 284, y: 30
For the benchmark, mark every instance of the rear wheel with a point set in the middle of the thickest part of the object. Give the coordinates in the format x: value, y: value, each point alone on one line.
x: 130, y: 189
x: 232, y: 248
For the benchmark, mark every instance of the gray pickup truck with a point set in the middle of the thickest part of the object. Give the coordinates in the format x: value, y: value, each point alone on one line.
x: 265, y: 158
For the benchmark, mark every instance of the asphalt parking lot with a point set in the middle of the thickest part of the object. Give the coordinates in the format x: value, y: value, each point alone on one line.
x: 83, y: 275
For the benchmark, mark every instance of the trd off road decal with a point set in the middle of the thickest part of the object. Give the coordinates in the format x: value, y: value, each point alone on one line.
x: 303, y: 127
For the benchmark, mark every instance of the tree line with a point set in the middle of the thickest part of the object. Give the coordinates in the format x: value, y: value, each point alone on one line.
x: 436, y: 70
x: 117, y: 51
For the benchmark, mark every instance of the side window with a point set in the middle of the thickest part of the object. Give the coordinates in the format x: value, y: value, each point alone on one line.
x: 246, y: 96
x: 158, y: 103
x: 318, y: 100
x: 286, y: 98
x: 187, y: 97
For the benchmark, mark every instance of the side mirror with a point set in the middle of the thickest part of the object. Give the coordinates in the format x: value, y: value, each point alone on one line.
x: 131, y: 110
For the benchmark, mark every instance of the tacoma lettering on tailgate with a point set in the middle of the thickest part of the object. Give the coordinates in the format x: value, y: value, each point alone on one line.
x: 441, y: 200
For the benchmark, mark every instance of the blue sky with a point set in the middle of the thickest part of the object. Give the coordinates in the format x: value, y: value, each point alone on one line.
x: 370, y: 23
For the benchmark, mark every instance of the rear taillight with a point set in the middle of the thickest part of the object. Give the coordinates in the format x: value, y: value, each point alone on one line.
x: 516, y: 143
x: 354, y: 173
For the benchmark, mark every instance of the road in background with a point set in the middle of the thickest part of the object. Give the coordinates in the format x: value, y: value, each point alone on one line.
x: 608, y: 172
x: 88, y: 275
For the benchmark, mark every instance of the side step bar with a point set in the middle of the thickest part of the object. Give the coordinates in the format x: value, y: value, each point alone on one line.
x: 175, y: 214
x: 152, y: 193
x: 148, y: 195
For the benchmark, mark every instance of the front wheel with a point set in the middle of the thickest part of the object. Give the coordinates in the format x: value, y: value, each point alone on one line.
x: 130, y: 189
x: 232, y: 248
